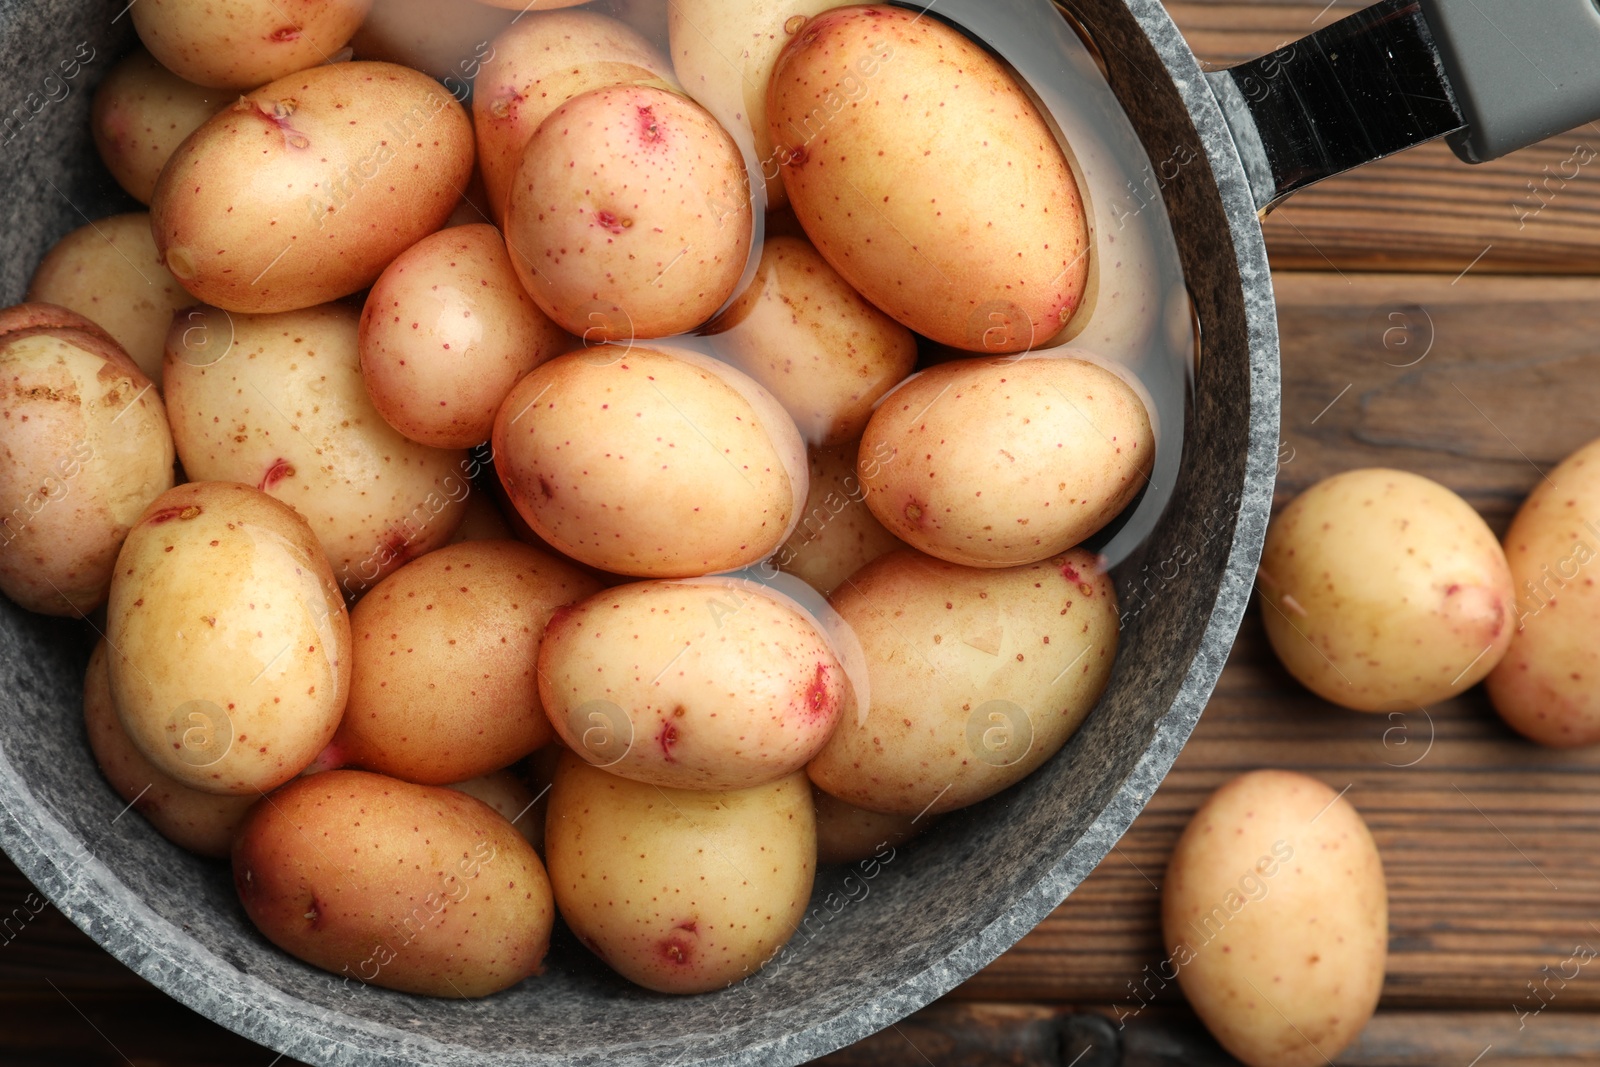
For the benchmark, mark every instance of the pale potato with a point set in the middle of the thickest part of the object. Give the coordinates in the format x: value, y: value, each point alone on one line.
x: 656, y: 463
x: 141, y: 113
x: 1000, y: 462
x: 443, y: 685
x: 84, y: 446
x: 447, y: 330
x: 204, y: 823
x: 924, y: 173
x: 847, y: 834
x: 110, y: 272
x: 838, y: 534
x: 1275, y: 916
x: 277, y: 401
x: 507, y: 793
x: 304, y: 190
x: 409, y: 887
x: 977, y: 677
x: 814, y: 342
x: 1384, y: 591
x: 649, y: 17
x: 1544, y: 686
x: 240, y: 44
x: 630, y: 215
x: 445, y: 39
x: 679, y: 891
x: 230, y: 643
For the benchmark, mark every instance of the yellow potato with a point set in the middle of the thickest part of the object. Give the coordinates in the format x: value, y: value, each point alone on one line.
x: 240, y: 44
x: 1384, y: 591
x: 110, y: 272
x: 277, y: 401
x: 141, y: 113
x: 1276, y: 919
x: 84, y: 446
x: 996, y: 463
x: 231, y: 645
x: 304, y: 190
x: 205, y: 823
x: 814, y: 342
x: 1544, y: 686
x: 838, y: 534
x: 924, y: 173
x: 650, y: 462
x: 512, y: 800
x: 445, y: 39
x: 977, y: 677
x: 846, y: 834
x: 409, y: 887
x: 678, y: 891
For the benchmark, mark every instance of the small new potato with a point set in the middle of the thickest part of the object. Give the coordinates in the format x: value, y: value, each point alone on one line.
x: 630, y: 215
x: 409, y: 887
x: 711, y: 684
x: 977, y: 677
x: 648, y: 462
x: 240, y: 44
x: 996, y: 463
x: 203, y: 823
x: 1544, y: 686
x: 110, y: 272
x: 507, y: 793
x: 304, y: 190
x: 1384, y: 591
x: 84, y: 446
x: 231, y: 645
x: 846, y: 833
x: 443, y: 685
x: 814, y: 342
x: 141, y: 113
x: 1276, y: 919
x: 838, y: 534
x: 679, y: 891
x: 447, y: 330
x: 445, y: 39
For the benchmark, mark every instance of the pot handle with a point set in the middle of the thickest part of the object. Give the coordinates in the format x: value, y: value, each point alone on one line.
x: 1494, y: 75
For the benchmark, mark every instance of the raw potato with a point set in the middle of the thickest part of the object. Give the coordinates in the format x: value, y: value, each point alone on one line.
x: 650, y: 462
x: 110, y: 272
x: 304, y: 190
x: 446, y: 332
x: 86, y: 448
x: 240, y: 44
x: 512, y: 800
x: 649, y: 17
x: 630, y: 215
x: 678, y: 891
x: 538, y: 64
x: 814, y: 342
x: 1276, y: 919
x: 409, y: 887
x: 709, y: 684
x: 928, y: 178
x: 445, y: 39
x: 482, y: 522
x: 838, y: 534
x: 1544, y: 687
x: 724, y: 52
x: 1065, y: 445
x: 141, y: 113
x: 846, y: 834
x: 277, y: 401
x: 204, y: 823
x: 977, y: 677
x: 443, y: 687
x: 532, y: 5
x: 1384, y: 591
x: 231, y: 645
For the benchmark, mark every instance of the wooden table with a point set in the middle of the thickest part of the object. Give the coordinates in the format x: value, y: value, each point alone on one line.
x: 1436, y: 318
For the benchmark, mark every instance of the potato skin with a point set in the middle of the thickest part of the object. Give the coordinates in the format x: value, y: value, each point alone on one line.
x: 997, y: 463
x: 141, y: 113
x: 650, y: 462
x: 84, y: 446
x: 1384, y: 591
x: 346, y: 166
x: 409, y: 887
x: 240, y: 44
x: 445, y: 39
x: 443, y: 686
x: 1275, y: 916
x: 509, y: 796
x: 837, y: 534
x: 231, y: 645
x: 1007, y: 665
x: 678, y: 891
x: 630, y: 215
x: 846, y: 834
x: 203, y: 823
x: 872, y: 107
x: 1543, y: 687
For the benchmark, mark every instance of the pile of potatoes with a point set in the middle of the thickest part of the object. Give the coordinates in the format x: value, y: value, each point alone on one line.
x: 456, y: 456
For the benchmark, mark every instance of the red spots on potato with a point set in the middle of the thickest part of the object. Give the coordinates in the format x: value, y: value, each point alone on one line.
x: 280, y: 469
x: 817, y: 695
x: 285, y: 34
x: 677, y: 951
x: 545, y: 488
x: 1070, y: 573
x: 667, y: 737
x: 182, y: 514
x: 651, y: 130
